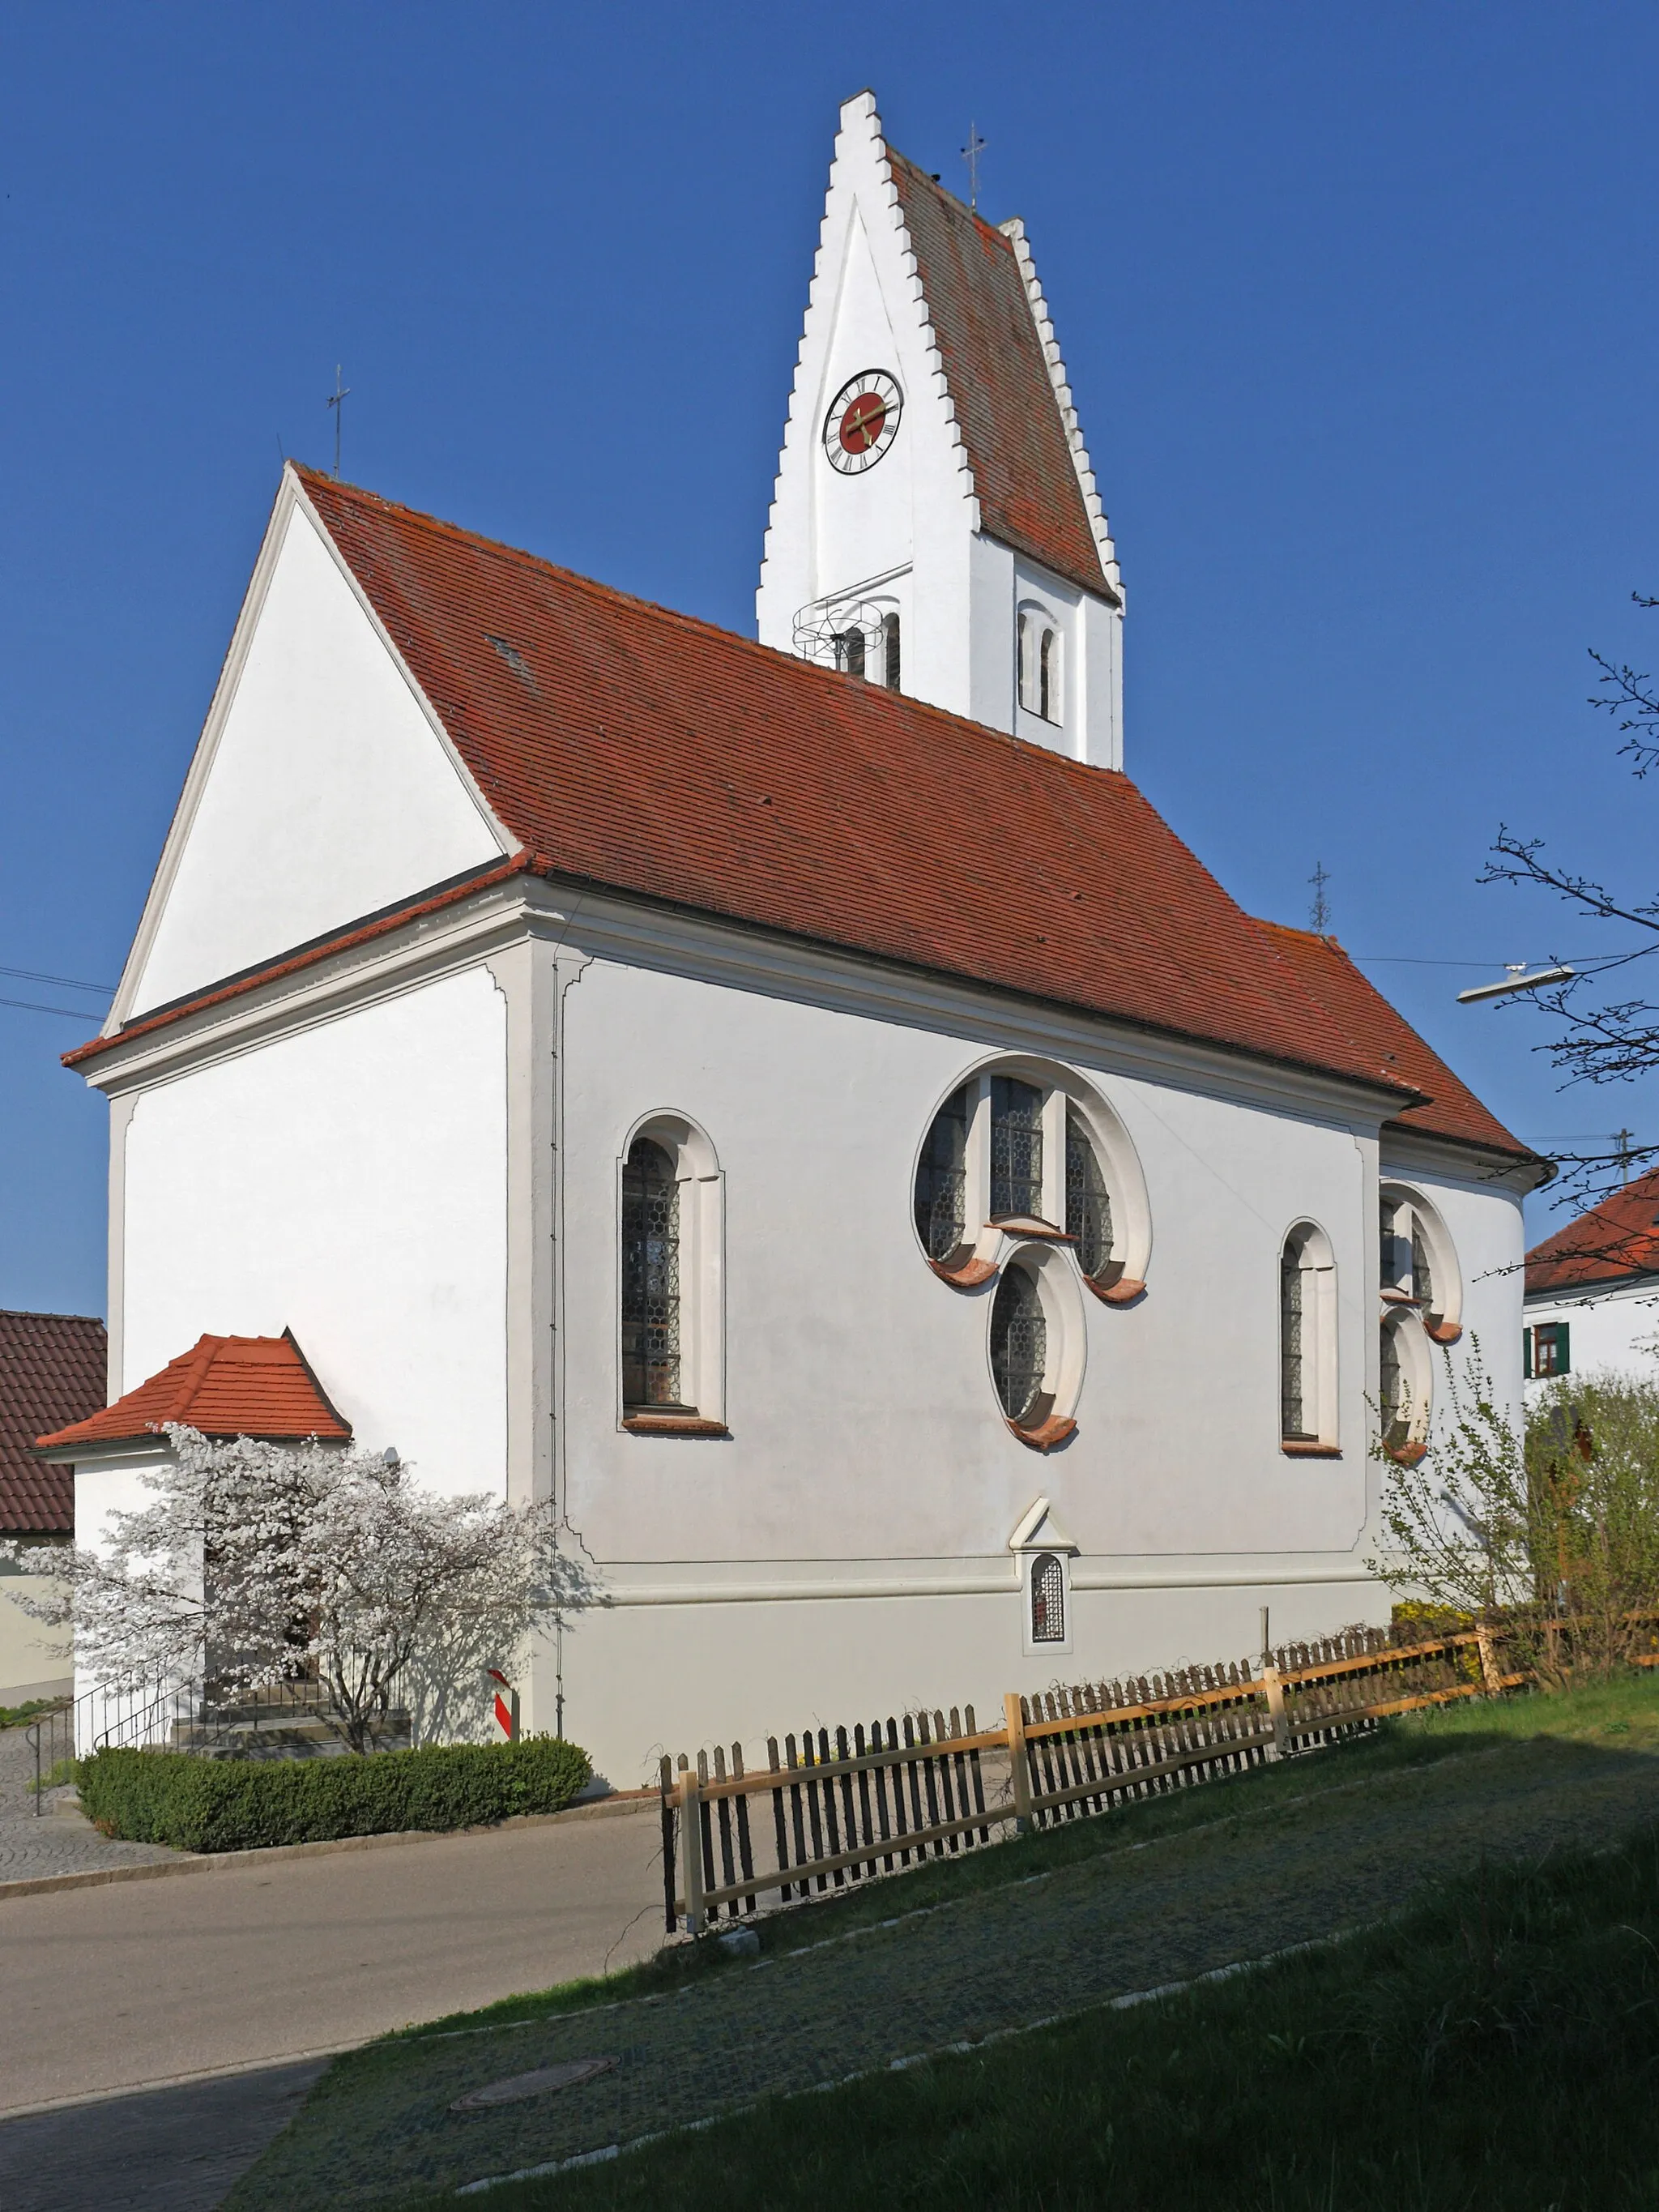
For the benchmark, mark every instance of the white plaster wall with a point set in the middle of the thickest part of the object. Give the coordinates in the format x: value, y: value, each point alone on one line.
x: 328, y: 794
x: 34, y: 1660
x: 857, y: 1384
x: 1611, y: 1331
x: 347, y: 1182
x: 1484, y: 1224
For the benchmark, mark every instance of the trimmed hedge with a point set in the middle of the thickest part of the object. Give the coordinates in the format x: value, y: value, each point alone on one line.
x: 236, y: 1804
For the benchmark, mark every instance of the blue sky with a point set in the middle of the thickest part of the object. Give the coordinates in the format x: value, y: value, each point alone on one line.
x: 1357, y: 305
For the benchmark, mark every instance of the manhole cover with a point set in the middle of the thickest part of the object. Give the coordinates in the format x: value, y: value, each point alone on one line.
x: 564, y: 2076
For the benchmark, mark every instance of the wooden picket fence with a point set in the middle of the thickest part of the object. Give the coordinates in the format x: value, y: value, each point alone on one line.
x: 834, y: 1806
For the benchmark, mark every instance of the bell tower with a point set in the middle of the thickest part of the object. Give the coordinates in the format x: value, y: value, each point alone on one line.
x: 935, y: 525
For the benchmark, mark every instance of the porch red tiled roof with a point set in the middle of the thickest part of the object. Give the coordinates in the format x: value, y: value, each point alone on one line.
x: 52, y: 1370
x: 225, y: 1386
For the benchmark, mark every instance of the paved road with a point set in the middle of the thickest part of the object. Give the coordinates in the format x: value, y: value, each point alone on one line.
x: 166, y: 2150
x: 141, y: 1982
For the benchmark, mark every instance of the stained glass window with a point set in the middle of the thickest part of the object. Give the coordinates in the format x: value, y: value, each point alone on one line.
x: 1088, y: 1207
x: 1019, y: 1342
x: 1422, y: 1278
x: 1048, y: 1600
x: 941, y: 1179
x: 650, y: 1278
x: 1016, y: 1148
x: 1292, y: 1417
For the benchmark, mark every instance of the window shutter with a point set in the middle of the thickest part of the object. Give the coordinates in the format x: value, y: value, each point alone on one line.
x: 1525, y: 1354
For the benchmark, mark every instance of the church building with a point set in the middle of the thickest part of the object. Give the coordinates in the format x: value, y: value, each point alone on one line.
x: 791, y: 1101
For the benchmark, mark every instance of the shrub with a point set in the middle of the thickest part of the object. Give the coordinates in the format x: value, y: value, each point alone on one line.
x: 234, y: 1805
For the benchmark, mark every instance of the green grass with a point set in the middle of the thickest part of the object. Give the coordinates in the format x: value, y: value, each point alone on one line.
x: 1625, y: 1711
x: 1497, y: 2049
x: 1246, y: 2085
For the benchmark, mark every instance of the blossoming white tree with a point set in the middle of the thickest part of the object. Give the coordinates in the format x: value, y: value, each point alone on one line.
x: 260, y: 1563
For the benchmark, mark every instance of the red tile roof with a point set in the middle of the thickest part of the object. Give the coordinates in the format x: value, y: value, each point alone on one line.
x: 52, y: 1370
x: 1614, y: 1243
x: 634, y: 749
x: 227, y: 1386
x: 1017, y: 449
x: 1450, y: 1108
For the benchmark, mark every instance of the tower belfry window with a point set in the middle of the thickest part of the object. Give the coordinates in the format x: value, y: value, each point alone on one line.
x: 889, y: 650
x: 1037, y: 656
x: 849, y: 651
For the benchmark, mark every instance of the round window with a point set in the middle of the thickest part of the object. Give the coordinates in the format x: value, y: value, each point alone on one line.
x: 1020, y: 1343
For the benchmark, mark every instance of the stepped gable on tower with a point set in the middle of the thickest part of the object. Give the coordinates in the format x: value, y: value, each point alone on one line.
x: 1024, y: 448
x: 621, y: 746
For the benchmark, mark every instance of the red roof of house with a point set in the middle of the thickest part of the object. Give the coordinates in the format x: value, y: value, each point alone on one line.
x: 632, y: 748
x: 52, y: 1370
x: 1450, y: 1108
x: 998, y: 378
x: 226, y: 1386
x: 1614, y: 1242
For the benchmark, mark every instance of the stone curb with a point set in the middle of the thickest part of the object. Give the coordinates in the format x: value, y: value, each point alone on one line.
x: 620, y: 1802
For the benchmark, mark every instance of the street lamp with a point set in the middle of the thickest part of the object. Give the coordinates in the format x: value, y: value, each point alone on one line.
x: 1515, y: 979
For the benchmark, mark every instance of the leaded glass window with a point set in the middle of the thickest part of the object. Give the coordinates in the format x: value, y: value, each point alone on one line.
x: 1019, y: 1342
x: 1391, y: 1391
x: 1422, y: 1278
x: 1016, y: 1148
x: 1088, y: 1207
x: 650, y: 1278
x: 1048, y: 1600
x: 1293, y: 1354
x: 941, y: 1179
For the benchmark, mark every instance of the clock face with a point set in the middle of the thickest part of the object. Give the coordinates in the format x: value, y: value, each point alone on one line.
x: 862, y: 422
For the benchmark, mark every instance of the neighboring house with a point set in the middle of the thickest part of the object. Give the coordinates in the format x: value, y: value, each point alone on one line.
x: 54, y: 1368
x: 795, y: 1104
x: 1592, y: 1294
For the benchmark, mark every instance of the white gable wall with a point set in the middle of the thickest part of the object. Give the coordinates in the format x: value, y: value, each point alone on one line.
x: 1610, y: 1331
x: 347, y: 1181
x: 321, y: 790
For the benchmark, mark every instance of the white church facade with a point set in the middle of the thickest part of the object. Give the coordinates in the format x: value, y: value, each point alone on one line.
x: 794, y: 1102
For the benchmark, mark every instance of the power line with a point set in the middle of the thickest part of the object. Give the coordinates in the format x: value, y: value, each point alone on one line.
x: 29, y: 1007
x: 63, y: 982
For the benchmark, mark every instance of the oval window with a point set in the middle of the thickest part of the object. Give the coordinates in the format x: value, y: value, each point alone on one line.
x: 1020, y: 1343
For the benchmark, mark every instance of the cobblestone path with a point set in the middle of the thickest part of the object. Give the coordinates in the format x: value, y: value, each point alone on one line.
x: 57, y: 1840
x: 379, y: 2123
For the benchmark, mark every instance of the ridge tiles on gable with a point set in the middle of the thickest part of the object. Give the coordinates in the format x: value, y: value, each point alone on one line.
x: 225, y: 1386
x: 1616, y: 1241
x: 1448, y: 1108
x: 53, y: 1369
x: 1018, y: 448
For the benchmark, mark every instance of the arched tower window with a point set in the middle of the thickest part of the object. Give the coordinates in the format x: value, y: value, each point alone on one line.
x: 650, y: 1278
x: 849, y: 651
x: 889, y: 650
x: 1038, y: 660
x: 1019, y: 1343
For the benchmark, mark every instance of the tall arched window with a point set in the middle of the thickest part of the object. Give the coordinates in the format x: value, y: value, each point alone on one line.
x: 849, y: 651
x: 1307, y: 1343
x: 650, y: 1278
x: 1019, y: 1345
